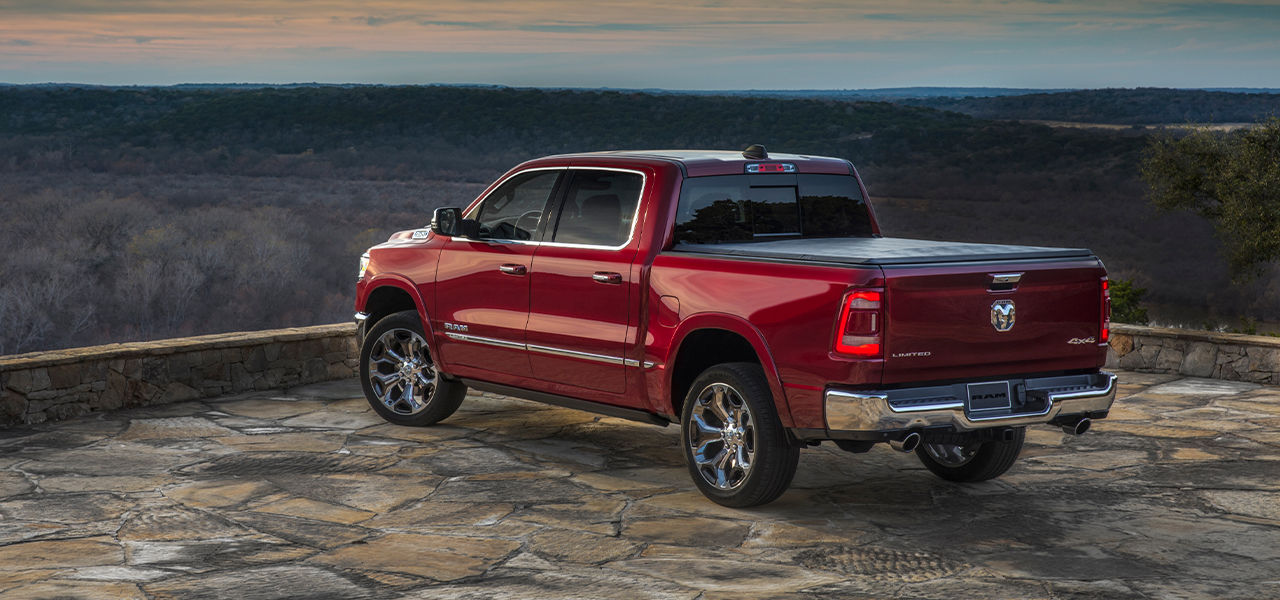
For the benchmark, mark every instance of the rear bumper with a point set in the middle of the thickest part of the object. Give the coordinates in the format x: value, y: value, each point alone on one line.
x: 1056, y: 399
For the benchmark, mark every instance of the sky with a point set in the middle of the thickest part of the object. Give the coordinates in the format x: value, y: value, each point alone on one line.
x: 681, y: 44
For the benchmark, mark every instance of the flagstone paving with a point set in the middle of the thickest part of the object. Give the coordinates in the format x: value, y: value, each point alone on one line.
x: 305, y: 493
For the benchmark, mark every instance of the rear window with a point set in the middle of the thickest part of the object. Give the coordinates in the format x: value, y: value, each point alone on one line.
x: 744, y: 208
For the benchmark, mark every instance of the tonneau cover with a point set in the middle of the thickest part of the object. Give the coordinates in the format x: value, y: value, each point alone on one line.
x: 882, y: 251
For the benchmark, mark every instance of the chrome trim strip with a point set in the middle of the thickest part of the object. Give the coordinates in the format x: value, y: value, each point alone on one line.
x: 853, y: 396
x: 924, y: 407
x: 600, y: 358
x: 644, y: 187
x: 475, y: 339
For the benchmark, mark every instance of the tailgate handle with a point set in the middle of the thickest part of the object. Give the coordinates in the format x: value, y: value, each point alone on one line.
x: 1003, y: 282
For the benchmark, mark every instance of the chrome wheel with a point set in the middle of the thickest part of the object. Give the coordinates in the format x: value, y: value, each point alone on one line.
x: 951, y: 455
x: 722, y: 438
x: 401, y: 372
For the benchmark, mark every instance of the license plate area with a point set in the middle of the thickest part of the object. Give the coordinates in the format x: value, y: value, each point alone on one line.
x: 989, y: 397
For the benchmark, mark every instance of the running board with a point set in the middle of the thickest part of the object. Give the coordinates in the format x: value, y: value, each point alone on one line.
x: 609, y: 410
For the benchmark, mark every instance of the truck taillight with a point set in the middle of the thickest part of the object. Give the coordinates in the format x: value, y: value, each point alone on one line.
x: 1105, y: 334
x: 861, y: 329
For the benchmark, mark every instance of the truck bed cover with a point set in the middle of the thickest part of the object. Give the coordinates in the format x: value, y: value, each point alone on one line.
x: 881, y: 251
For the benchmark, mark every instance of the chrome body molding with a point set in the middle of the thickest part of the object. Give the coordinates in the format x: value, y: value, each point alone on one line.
x: 475, y: 339
x: 874, y: 411
x: 361, y: 317
x: 600, y: 358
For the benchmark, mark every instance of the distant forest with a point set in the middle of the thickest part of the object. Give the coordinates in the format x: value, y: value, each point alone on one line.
x: 1140, y: 106
x: 144, y: 213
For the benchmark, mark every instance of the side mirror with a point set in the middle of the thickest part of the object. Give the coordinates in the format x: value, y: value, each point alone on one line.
x: 447, y: 221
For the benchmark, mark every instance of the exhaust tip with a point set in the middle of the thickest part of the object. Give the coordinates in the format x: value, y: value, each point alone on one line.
x: 1078, y: 427
x: 908, y: 443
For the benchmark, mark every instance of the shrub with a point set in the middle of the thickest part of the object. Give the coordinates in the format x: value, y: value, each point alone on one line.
x: 1126, y: 303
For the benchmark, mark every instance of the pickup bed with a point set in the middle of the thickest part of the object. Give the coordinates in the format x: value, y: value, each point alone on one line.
x: 748, y: 298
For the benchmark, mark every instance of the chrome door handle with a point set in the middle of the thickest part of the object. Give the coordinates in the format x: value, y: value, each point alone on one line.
x: 513, y: 269
x: 605, y: 277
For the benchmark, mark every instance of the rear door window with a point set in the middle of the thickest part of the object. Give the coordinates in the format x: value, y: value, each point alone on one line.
x: 599, y: 208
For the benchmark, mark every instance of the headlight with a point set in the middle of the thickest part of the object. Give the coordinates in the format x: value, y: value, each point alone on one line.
x: 364, y: 264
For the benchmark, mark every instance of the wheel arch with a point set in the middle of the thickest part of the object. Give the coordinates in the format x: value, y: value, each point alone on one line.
x: 705, y: 340
x: 388, y: 294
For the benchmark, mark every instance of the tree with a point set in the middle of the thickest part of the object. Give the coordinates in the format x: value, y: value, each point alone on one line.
x: 1231, y: 179
x: 1126, y: 300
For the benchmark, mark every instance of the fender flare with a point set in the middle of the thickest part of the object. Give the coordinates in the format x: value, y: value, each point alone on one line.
x: 405, y: 285
x: 747, y: 331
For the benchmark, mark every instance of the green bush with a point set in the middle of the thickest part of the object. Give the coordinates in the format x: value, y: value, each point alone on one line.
x: 1126, y: 303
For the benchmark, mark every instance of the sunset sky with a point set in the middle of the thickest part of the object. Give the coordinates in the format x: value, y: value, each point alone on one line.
x: 684, y: 44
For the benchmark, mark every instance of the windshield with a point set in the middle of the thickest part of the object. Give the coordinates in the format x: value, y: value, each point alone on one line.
x: 744, y: 208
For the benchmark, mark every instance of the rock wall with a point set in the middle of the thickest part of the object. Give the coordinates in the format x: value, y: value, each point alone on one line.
x: 45, y: 386
x: 1233, y: 356
x: 55, y: 385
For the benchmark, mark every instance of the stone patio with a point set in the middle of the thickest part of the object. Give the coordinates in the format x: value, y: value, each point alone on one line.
x: 306, y: 493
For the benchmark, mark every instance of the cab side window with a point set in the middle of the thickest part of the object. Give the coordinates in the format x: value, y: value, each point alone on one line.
x: 513, y: 211
x: 598, y: 208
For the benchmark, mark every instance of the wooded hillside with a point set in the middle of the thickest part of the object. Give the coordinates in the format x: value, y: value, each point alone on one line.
x: 1140, y: 106
x: 143, y: 212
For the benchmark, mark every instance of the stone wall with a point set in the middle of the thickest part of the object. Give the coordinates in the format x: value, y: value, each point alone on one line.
x: 1234, y: 356
x: 55, y: 385
x: 59, y: 384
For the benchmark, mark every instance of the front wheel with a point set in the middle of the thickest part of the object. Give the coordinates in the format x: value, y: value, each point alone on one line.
x: 975, y: 461
x: 736, y: 449
x: 399, y: 377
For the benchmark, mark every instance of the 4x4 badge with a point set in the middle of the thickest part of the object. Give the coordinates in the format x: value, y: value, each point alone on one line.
x: 1002, y: 315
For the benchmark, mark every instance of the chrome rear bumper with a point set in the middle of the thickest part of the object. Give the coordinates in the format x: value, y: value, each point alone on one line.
x: 896, y: 410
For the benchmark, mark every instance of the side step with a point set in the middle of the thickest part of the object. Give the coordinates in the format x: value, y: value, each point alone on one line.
x: 630, y: 414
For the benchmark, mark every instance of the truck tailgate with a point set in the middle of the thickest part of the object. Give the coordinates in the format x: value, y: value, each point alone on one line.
x: 957, y: 320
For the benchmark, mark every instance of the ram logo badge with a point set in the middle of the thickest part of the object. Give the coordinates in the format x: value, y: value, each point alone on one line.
x: 454, y: 327
x: 1002, y: 315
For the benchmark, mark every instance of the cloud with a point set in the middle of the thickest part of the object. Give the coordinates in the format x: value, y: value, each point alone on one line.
x: 844, y: 38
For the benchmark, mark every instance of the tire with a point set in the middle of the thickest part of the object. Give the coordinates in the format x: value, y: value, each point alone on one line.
x: 734, y: 445
x: 394, y: 352
x: 979, y: 461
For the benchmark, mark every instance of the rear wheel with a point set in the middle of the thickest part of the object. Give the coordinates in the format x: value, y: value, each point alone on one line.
x: 736, y: 449
x: 399, y: 377
x: 975, y: 461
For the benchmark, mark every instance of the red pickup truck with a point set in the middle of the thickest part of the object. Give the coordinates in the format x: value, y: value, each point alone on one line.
x: 749, y: 298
